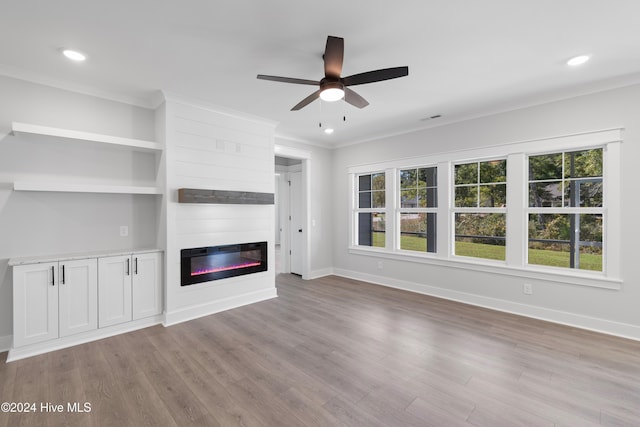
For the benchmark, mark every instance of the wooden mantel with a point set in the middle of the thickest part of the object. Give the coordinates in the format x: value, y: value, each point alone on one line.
x: 194, y: 195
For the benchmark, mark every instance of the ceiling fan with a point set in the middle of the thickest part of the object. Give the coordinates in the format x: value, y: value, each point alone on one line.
x: 332, y: 86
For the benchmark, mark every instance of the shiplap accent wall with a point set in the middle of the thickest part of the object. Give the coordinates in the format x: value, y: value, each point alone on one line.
x: 215, y: 150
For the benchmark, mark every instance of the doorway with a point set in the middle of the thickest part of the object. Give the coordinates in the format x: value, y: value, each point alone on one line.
x: 292, y: 201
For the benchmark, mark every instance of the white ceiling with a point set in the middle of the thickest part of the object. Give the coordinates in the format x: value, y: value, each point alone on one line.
x: 466, y: 58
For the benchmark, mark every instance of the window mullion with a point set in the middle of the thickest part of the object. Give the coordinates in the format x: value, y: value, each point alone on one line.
x: 517, y: 223
x: 392, y: 220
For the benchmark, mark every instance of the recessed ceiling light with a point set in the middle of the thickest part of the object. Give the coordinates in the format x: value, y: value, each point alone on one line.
x: 328, y: 131
x: 74, y: 55
x: 578, y: 60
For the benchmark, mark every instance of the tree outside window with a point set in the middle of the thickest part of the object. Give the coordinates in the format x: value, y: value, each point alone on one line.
x: 566, y: 209
x: 480, y: 200
x: 418, y: 203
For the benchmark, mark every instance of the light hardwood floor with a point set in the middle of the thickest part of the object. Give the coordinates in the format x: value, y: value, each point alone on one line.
x: 336, y: 352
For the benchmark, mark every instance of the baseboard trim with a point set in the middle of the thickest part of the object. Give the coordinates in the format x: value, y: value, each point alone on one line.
x: 594, y: 324
x: 194, y: 312
x: 5, y: 343
x: 324, y: 272
x: 85, y: 337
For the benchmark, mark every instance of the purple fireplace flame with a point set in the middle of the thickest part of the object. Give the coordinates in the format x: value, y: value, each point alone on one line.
x: 230, y: 267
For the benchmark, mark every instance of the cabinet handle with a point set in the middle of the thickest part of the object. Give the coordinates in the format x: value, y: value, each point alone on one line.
x: 53, y: 276
x: 63, y: 274
x: 128, y: 268
x: 135, y: 266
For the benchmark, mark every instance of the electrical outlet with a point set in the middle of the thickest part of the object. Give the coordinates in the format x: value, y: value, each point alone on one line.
x: 380, y: 265
x: 527, y: 288
x: 124, y: 230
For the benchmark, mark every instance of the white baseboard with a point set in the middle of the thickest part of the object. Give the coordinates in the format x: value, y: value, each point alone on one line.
x: 316, y: 274
x: 98, y: 334
x: 5, y: 343
x: 194, y: 312
x: 609, y: 327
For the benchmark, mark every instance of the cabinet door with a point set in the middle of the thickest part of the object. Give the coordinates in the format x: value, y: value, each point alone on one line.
x: 147, y: 285
x: 114, y: 290
x: 35, y: 303
x: 78, y: 296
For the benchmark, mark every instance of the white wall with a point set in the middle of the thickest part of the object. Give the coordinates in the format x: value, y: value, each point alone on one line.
x: 45, y: 223
x: 35, y: 223
x: 613, y: 311
x: 321, y: 205
x: 211, y: 149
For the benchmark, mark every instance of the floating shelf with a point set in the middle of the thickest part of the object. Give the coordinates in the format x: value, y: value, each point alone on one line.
x: 135, y: 144
x: 83, y: 188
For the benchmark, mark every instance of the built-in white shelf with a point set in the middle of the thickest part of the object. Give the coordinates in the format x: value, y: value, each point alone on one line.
x: 134, y: 144
x: 83, y: 188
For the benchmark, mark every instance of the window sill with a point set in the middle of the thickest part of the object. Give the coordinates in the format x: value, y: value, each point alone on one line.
x: 591, y: 279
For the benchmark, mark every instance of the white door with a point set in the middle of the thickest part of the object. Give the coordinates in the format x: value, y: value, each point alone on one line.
x: 146, y: 286
x: 35, y: 303
x: 277, y: 208
x: 78, y: 296
x: 296, y: 229
x: 114, y: 290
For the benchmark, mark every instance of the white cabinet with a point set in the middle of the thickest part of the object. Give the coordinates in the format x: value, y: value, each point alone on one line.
x: 52, y: 300
x: 35, y: 303
x: 59, y: 301
x: 77, y: 296
x: 129, y: 288
x: 114, y: 290
x: 146, y: 285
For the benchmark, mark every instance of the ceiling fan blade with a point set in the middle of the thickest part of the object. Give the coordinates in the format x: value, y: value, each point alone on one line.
x: 354, y: 99
x: 333, y: 55
x: 308, y: 100
x: 288, y: 80
x: 376, y: 76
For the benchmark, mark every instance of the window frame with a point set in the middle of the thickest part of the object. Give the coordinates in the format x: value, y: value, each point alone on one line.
x: 569, y: 210
x: 399, y: 210
x: 378, y: 210
x: 477, y: 209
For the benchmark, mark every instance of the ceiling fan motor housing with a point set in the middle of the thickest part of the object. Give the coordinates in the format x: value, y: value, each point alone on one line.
x: 331, y: 83
x: 331, y: 89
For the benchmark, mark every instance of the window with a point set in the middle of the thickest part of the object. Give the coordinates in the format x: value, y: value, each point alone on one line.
x: 417, y: 213
x: 566, y: 209
x: 371, y: 205
x: 480, y: 200
x: 559, y: 224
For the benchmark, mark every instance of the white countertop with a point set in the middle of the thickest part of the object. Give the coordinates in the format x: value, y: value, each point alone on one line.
x: 80, y: 255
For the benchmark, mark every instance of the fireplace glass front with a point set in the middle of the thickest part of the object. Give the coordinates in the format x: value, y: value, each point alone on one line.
x: 219, y: 262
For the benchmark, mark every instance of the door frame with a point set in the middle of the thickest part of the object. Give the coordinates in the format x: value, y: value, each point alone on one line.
x: 305, y: 157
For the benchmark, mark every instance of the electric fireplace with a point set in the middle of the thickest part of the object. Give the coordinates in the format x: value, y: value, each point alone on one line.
x: 219, y: 262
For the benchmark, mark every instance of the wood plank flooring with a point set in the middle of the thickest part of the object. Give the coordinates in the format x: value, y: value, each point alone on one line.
x: 333, y: 352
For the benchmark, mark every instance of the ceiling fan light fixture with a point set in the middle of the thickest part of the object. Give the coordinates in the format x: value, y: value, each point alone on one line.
x: 332, y: 94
